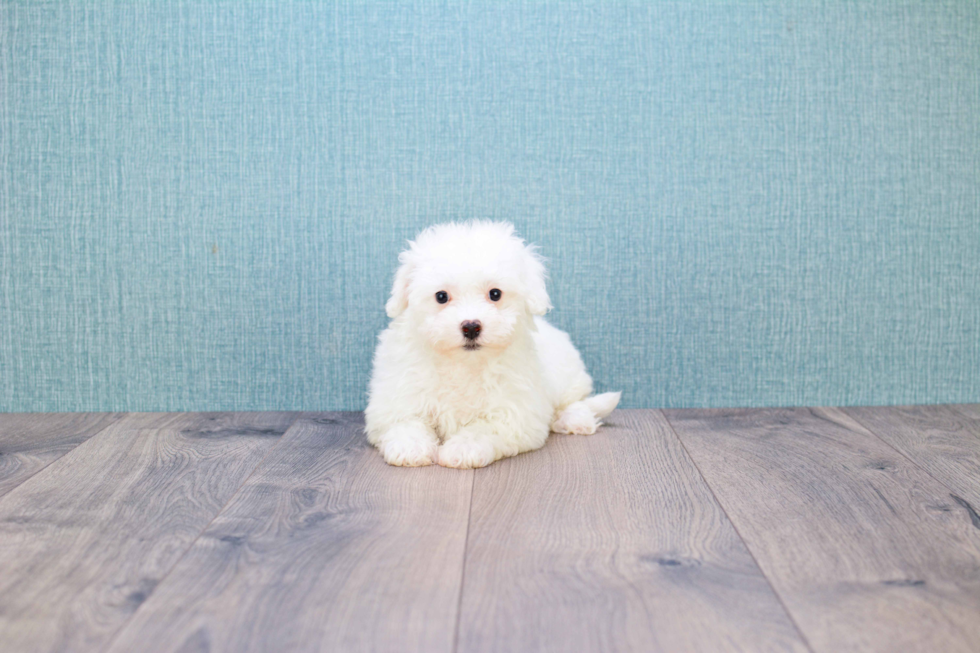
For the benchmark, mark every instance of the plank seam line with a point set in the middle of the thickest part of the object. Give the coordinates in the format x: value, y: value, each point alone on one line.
x: 122, y: 627
x: 462, y: 573
x: 901, y: 453
x: 789, y: 615
x: 51, y: 462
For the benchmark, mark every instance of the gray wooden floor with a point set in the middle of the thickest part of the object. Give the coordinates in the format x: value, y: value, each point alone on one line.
x: 819, y: 529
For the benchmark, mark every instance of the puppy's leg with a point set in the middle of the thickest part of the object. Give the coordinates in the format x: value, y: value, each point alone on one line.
x: 480, y: 443
x: 472, y: 447
x: 408, y: 444
x: 584, y: 417
x: 576, y: 419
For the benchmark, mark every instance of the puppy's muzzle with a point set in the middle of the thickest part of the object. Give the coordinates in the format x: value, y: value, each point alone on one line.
x: 471, y: 329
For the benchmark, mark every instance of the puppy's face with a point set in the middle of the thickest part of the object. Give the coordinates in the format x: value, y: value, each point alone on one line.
x: 469, y: 286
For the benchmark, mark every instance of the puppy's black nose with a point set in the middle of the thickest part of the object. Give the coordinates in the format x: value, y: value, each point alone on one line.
x: 471, y: 329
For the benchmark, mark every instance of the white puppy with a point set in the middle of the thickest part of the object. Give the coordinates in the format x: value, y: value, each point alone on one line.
x: 466, y: 373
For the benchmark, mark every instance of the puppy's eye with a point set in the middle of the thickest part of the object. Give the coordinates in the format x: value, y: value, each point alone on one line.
x: 442, y: 297
x: 495, y: 295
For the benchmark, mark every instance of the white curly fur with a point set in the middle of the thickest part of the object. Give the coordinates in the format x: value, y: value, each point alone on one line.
x: 433, y: 399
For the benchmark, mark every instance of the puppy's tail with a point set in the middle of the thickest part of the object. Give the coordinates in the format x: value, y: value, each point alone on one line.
x: 602, y: 404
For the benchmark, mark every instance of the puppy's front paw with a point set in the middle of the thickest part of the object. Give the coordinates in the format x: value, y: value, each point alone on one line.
x: 466, y: 453
x: 409, y: 451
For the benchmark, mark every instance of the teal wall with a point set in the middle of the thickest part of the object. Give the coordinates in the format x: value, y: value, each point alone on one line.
x: 743, y: 203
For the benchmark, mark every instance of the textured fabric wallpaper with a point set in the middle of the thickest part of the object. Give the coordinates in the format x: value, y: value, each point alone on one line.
x: 743, y: 203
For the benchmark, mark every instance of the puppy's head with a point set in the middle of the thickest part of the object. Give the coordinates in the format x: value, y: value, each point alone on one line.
x: 469, y: 286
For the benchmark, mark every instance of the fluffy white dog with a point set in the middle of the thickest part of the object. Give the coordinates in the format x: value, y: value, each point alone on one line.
x: 467, y: 372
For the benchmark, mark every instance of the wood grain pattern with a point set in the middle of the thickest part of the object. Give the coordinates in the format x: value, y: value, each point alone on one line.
x: 866, y: 549
x: 970, y: 411
x: 85, y: 541
x: 940, y: 439
x: 29, y: 442
x: 325, y: 548
x: 611, y: 542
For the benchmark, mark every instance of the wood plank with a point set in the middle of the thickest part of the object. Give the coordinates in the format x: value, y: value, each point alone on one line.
x: 325, y: 548
x: 85, y: 541
x: 866, y: 549
x: 29, y: 442
x: 611, y: 542
x: 970, y: 411
x: 940, y: 439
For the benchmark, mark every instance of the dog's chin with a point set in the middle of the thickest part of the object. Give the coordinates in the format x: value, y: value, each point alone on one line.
x: 447, y: 347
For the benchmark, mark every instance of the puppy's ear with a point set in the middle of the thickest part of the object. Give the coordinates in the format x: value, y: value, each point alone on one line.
x: 398, y: 301
x: 538, y: 302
